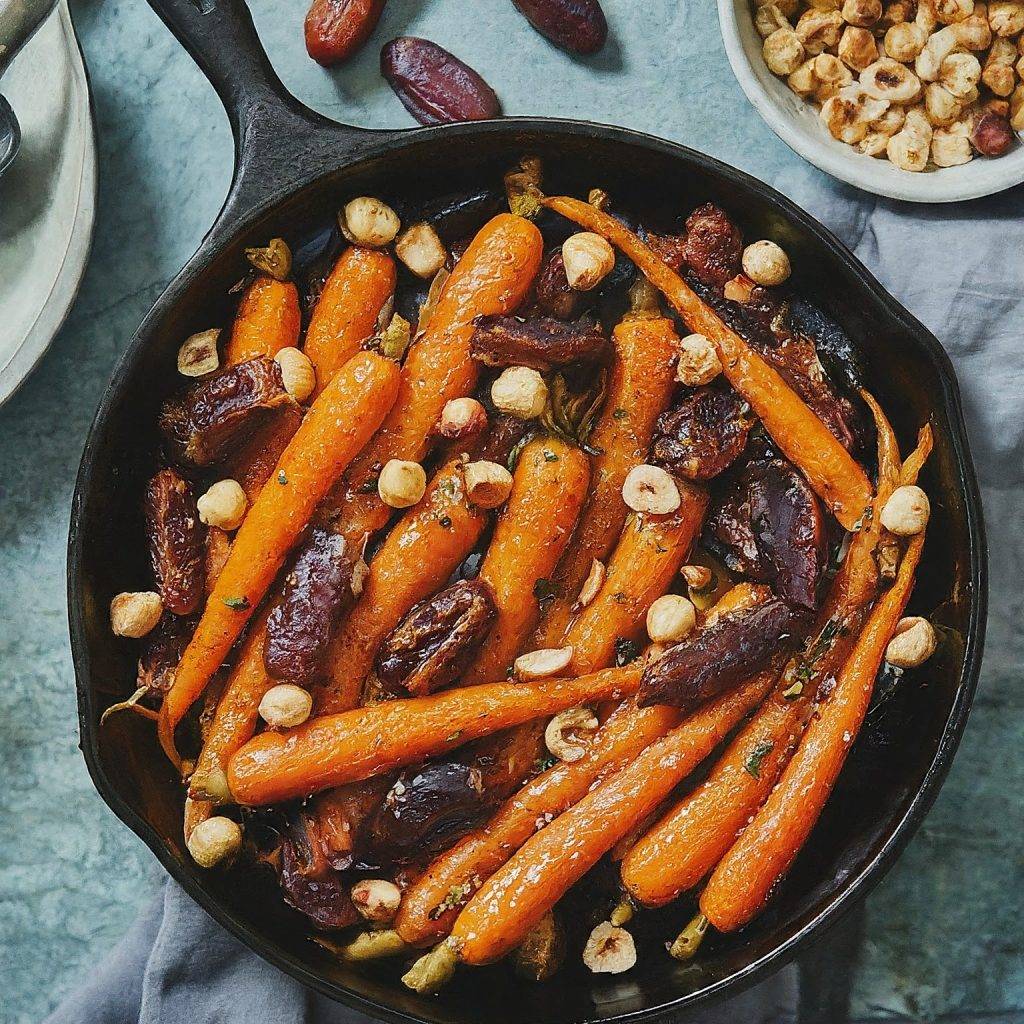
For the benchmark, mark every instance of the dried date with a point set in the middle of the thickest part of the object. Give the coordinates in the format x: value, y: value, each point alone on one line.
x: 554, y: 297
x: 578, y: 26
x: 542, y: 343
x: 163, y: 650
x: 336, y: 29
x: 714, y: 245
x: 175, y: 541
x: 253, y: 463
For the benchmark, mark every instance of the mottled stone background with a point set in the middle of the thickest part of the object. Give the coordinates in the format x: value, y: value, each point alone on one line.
x: 943, y: 932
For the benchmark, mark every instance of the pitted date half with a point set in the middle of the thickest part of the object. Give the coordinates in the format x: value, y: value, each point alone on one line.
x: 252, y: 463
x: 205, y: 423
x: 714, y: 245
x: 554, y: 296
x: 542, y: 343
x: 175, y: 541
x: 435, y: 641
x: 163, y: 650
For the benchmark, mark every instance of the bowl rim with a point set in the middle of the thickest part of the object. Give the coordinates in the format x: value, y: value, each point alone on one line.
x: 857, y: 885
x: 869, y: 174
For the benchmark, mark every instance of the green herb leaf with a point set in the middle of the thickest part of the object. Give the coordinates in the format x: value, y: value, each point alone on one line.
x: 626, y: 651
x: 757, y: 756
x: 282, y: 477
x: 237, y: 604
x: 550, y: 456
x: 620, y: 414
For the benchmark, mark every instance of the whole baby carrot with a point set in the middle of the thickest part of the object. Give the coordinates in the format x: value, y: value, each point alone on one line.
x: 268, y: 319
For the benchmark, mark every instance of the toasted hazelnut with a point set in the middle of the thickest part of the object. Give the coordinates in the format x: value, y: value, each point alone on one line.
x: 819, y: 30
x: 916, y: 121
x: 768, y: 18
x: 462, y: 417
x: 991, y: 134
x: 907, y: 511
x: 739, y: 289
x: 973, y: 33
x: 783, y: 51
x: 904, y: 41
x: 890, y: 122
x: 698, y: 361
x: 766, y: 263
x: 833, y: 75
x: 787, y: 7
x: 908, y: 150
x: 670, y: 618
x: 591, y: 585
x: 588, y: 260
x: 874, y: 143
x: 959, y: 74
x: 566, y: 734
x: 134, y: 614
x: 214, y: 840
x: 297, y: 373
x: 857, y: 48
x: 376, y: 899
x: 952, y: 146
x: 520, y: 392
x: 897, y: 12
x: 1017, y: 109
x: 948, y: 12
x: 863, y: 13
x: 825, y: 5
x: 999, y: 75
x: 223, y: 505
x: 941, y: 106
x: 421, y: 250
x: 285, y: 706
x: 368, y: 221
x: 1006, y: 17
x: 401, y: 483
x: 804, y: 82
x: 992, y: 106
x: 198, y: 356
x: 925, y: 17
x: 488, y: 485
x: 650, y: 489
x: 548, y: 661
x: 939, y: 46
x: 912, y: 644
x: 850, y: 111
x: 698, y: 577
x: 609, y: 950
x: 887, y: 79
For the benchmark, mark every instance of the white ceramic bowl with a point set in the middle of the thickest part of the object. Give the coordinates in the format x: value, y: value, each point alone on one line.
x: 796, y: 122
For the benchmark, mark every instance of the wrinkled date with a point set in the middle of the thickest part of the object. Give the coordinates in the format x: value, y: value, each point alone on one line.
x: 714, y: 245
x: 163, y: 650
x: 300, y: 627
x: 435, y: 86
x: 175, y: 541
x: 554, y: 297
x: 433, y: 644
x: 309, y: 882
x: 336, y: 29
x: 207, y: 421
x: 254, y: 461
x: 578, y: 26
x: 504, y: 436
x: 542, y: 343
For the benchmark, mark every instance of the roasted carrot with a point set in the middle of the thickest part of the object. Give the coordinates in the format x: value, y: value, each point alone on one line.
x: 268, y: 320
x: 336, y: 426
x: 493, y: 276
x: 832, y: 472
x: 743, y: 880
x: 518, y: 895
x: 346, y: 313
x: 367, y: 741
x: 548, y: 489
x: 639, y: 387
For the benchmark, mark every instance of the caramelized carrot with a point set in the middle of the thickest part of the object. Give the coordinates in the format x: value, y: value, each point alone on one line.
x: 367, y: 741
x: 336, y: 426
x: 423, y: 549
x: 346, y: 313
x: 268, y: 320
x: 831, y: 471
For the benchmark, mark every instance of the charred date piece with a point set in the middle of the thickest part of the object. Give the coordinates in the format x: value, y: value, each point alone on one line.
x: 554, y: 297
x: 336, y: 29
x: 175, y: 541
x: 429, y: 649
x: 714, y: 245
x: 719, y: 657
x: 671, y: 248
x: 433, y: 85
x: 542, y: 344
x: 730, y: 535
x: 578, y: 26
x: 163, y: 650
x: 300, y: 627
x: 207, y: 421
x: 252, y: 464
x: 703, y: 434
x: 312, y: 886
x: 503, y: 437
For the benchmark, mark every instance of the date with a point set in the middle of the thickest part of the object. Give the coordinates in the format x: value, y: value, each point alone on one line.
x: 163, y: 650
x: 714, y: 245
x: 176, y: 546
x: 254, y: 461
x: 542, y: 343
x: 336, y: 29
x: 578, y: 26
x: 554, y: 297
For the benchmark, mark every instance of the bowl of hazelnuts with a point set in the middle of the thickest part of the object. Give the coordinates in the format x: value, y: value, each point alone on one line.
x: 920, y: 100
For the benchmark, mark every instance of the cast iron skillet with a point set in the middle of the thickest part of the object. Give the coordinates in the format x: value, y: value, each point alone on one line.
x: 293, y: 171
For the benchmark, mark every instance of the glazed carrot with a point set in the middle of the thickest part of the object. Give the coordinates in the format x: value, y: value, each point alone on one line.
x: 518, y: 895
x: 829, y: 468
x: 492, y: 277
x: 336, y: 426
x: 422, y: 550
x: 268, y: 320
x: 548, y: 489
x: 346, y: 313
x: 741, y: 884
x: 367, y: 741
x: 639, y: 387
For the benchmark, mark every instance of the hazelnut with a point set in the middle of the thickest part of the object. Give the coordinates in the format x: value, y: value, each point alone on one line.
x: 548, y: 661
x: 421, y: 250
x: 285, y: 706
x: 462, y: 417
x: 592, y: 584
x: 588, y: 260
x: 991, y: 134
x: 766, y: 263
x: 925, y: 17
x: 833, y: 75
x: 698, y: 577
x: 887, y: 79
x: 863, y: 13
x: 698, y: 361
x: 198, y: 356
x: 973, y: 33
x: 825, y: 5
x: 488, y: 485
x: 998, y: 75
x: 857, y: 48
x: 297, y: 373
x: 376, y: 899
x: 401, y: 483
x: 952, y: 146
x: 134, y: 614
x: 939, y: 46
x: 874, y: 143
x: 908, y: 149
x: 804, y: 82
x: 1006, y: 17
x: 567, y: 733
x: 844, y: 118
x: 890, y: 122
x: 609, y: 950
x: 368, y: 221
x: 950, y: 11
x: 214, y: 840
x: 1017, y: 109
x: 897, y: 12
x: 670, y: 618
x: 907, y: 511
x: 904, y: 41
x: 941, y: 106
x: 650, y: 489
x: 959, y: 73
x: 738, y: 289
x: 520, y: 392
x: 768, y: 18
x: 783, y: 52
x: 819, y: 30
x: 912, y: 644
x: 223, y: 505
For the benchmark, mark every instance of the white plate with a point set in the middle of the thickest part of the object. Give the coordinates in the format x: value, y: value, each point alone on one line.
x: 47, y: 197
x: 796, y: 122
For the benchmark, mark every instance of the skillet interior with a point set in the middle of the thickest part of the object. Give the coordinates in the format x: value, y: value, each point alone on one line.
x: 895, y: 768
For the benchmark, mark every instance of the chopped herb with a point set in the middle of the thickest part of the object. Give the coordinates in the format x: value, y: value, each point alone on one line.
x: 368, y: 486
x: 446, y: 522
x: 619, y: 597
x: 452, y: 737
x: 620, y: 414
x: 282, y: 477
x: 517, y: 448
x: 757, y: 756
x: 237, y: 604
x: 794, y: 691
x: 546, y: 591
x: 659, y: 549
x: 449, y: 488
x: 550, y: 456
x: 542, y: 764
x: 457, y: 895
x: 866, y: 516
x: 626, y: 651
